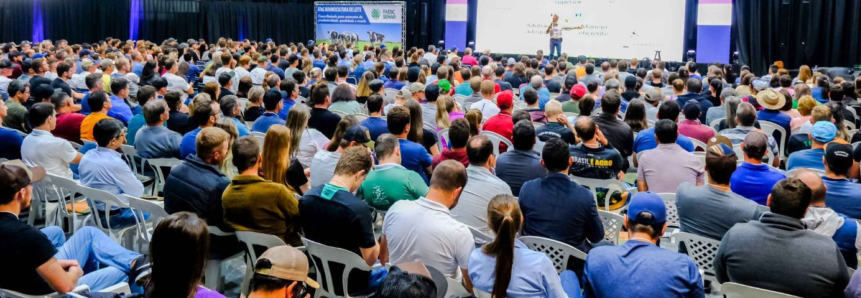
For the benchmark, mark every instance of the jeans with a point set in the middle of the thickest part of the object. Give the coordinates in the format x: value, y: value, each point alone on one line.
x: 555, y: 44
x: 570, y: 283
x: 93, y: 249
x: 125, y: 217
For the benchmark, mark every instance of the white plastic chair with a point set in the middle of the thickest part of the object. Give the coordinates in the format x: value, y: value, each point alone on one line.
x: 249, y: 124
x: 613, y: 224
x: 157, y: 214
x: 323, y: 257
x: 701, y: 249
x: 672, y: 210
x: 735, y: 290
x: 360, y: 117
x: 769, y: 128
x: 212, y: 273
x: 848, y: 124
x: 12, y: 294
x: 570, y: 114
x: 796, y: 130
x: 480, y: 238
x: 66, y: 191
x: 715, y: 124
x: 495, y: 138
x: 339, y: 113
x: 460, y: 99
x: 558, y: 252
x: 157, y: 164
x: 612, y: 185
x: 481, y: 294
x: 110, y: 200
x: 698, y: 144
x: 135, y: 161
x: 442, y: 136
x: 251, y: 239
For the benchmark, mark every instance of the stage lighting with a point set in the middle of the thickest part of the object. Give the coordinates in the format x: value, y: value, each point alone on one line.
x: 692, y: 55
x: 735, y: 57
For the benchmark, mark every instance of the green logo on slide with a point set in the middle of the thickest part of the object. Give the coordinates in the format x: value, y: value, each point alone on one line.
x: 375, y: 14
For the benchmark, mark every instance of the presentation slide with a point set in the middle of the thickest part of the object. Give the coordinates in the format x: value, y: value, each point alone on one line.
x: 595, y: 28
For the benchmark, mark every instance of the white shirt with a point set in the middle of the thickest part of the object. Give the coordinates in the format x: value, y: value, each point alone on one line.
x: 480, y: 188
x: 488, y: 108
x: 323, y: 167
x: 176, y: 83
x: 4, y: 83
x: 311, y: 142
x: 423, y: 230
x: 257, y: 75
x: 41, y: 148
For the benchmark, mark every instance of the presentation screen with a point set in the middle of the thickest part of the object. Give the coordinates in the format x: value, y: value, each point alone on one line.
x: 595, y: 28
x: 360, y: 23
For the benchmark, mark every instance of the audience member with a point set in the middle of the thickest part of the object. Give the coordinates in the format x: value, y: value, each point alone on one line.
x: 753, y: 179
x: 274, y: 105
x: 390, y: 181
x: 693, y: 87
x: 412, y: 280
x: 322, y: 119
x: 330, y: 215
x: 508, y: 265
x: 41, y: 148
x: 653, y: 166
x: 522, y: 164
x: 281, y: 271
x: 206, y: 113
x: 711, y: 210
x: 100, y: 104
x: 41, y: 262
x: 485, y: 105
x: 16, y: 118
x: 810, y: 264
x: 253, y: 204
x: 414, y: 156
x: 120, y: 110
x: 645, y: 139
x: 618, y: 133
x: 594, y: 157
x: 178, y: 121
x: 458, y: 134
x: 10, y: 139
x: 745, y: 117
x: 825, y: 221
x: 482, y: 185
x: 197, y: 184
x: 68, y: 122
x: 658, y: 272
x: 541, y: 199
x: 231, y: 109
x: 772, y: 101
x: 104, y: 168
x: 375, y: 123
x: 557, y: 125
x: 842, y: 193
x: 156, y: 140
x: 822, y: 133
x: 535, y: 112
x: 691, y: 126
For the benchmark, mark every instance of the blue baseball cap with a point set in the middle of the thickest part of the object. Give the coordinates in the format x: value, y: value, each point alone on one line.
x: 647, y: 208
x: 268, y: 40
x: 823, y: 131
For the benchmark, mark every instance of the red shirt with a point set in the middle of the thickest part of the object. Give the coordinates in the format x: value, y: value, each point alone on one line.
x: 503, y: 125
x: 447, y: 154
x: 69, y: 127
x: 693, y: 129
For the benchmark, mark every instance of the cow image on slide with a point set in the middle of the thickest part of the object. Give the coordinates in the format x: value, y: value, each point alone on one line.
x: 334, y: 37
x: 375, y: 37
x: 350, y: 37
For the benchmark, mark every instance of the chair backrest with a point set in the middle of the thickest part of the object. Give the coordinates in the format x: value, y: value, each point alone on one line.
x: 460, y: 99
x: 796, y: 130
x: 65, y: 191
x: 361, y: 117
x: 495, y: 138
x: 12, y: 294
x: 698, y: 144
x: 570, y: 114
x: 769, y: 128
x: 443, y: 139
x: 94, y: 196
x: 849, y: 124
x: 352, y: 80
x: 613, y: 224
x: 439, y: 281
x: 480, y: 238
x: 536, y: 125
x: 76, y: 145
x: 734, y: 290
x: 157, y: 164
x: 135, y: 161
x: 324, y: 256
x: 249, y: 124
x: 481, y: 294
x: 558, y: 252
x: 539, y: 146
x: 672, y: 210
x: 612, y: 185
x: 715, y: 124
x: 701, y: 249
x: 339, y: 113
x: 156, y: 211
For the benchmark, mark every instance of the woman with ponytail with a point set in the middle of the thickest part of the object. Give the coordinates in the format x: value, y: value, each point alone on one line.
x: 492, y: 268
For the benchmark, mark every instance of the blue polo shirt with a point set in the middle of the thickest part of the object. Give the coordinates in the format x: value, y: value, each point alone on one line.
x: 810, y: 158
x: 843, y: 196
x: 187, y: 146
x: 288, y: 103
x: 376, y: 126
x: 10, y: 143
x: 560, y: 209
x: 276, y: 70
x: 754, y: 181
x: 85, y: 105
x: 120, y: 110
x: 266, y: 120
x: 135, y: 124
x: 776, y: 117
x: 415, y: 157
x: 241, y: 127
x: 645, y: 140
x: 640, y: 269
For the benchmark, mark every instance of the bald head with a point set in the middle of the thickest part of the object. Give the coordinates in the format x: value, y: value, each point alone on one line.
x: 814, y: 182
x: 536, y: 82
x: 585, y: 128
x: 487, y: 71
x: 448, y: 176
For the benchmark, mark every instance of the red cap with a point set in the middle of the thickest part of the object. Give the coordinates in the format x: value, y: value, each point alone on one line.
x: 505, y: 100
x: 578, y: 91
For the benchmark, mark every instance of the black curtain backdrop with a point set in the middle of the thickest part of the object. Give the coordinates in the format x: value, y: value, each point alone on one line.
x: 16, y: 20
x: 81, y: 21
x: 797, y: 32
x: 180, y: 19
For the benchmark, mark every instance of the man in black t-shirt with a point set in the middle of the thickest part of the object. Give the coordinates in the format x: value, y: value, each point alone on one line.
x: 41, y: 262
x: 332, y: 216
x: 595, y: 157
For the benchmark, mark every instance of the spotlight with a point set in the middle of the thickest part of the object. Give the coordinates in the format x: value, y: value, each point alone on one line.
x: 692, y: 55
x: 735, y: 57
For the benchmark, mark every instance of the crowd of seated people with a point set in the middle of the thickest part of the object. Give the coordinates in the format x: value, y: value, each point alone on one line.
x: 323, y: 141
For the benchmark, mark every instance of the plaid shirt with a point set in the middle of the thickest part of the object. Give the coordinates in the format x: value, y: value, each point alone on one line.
x: 736, y: 136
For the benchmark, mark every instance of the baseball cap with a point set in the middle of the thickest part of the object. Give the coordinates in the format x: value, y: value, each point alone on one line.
x: 85, y: 52
x: 287, y: 263
x: 770, y: 99
x: 405, y: 93
x: 417, y: 87
x: 653, y: 95
x: 823, y: 131
x: 432, y: 92
x: 105, y: 63
x: 5, y: 63
x: 756, y: 141
x: 262, y: 58
x: 505, y: 100
x: 358, y: 134
x: 760, y: 85
x: 727, y: 92
x: 444, y: 86
x: 578, y: 91
x: 376, y: 85
x: 268, y: 40
x: 647, y: 208
x: 382, y: 46
x: 716, y: 140
x: 15, y: 176
x: 310, y: 42
x: 225, y: 77
x: 838, y: 155
x: 511, y: 62
x: 413, y: 74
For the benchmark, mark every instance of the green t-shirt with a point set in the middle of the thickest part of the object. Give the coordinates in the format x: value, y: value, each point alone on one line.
x: 15, y: 115
x: 390, y: 183
x: 571, y: 107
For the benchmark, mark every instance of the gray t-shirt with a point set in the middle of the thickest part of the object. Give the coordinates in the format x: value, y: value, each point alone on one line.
x: 323, y: 167
x: 706, y: 211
